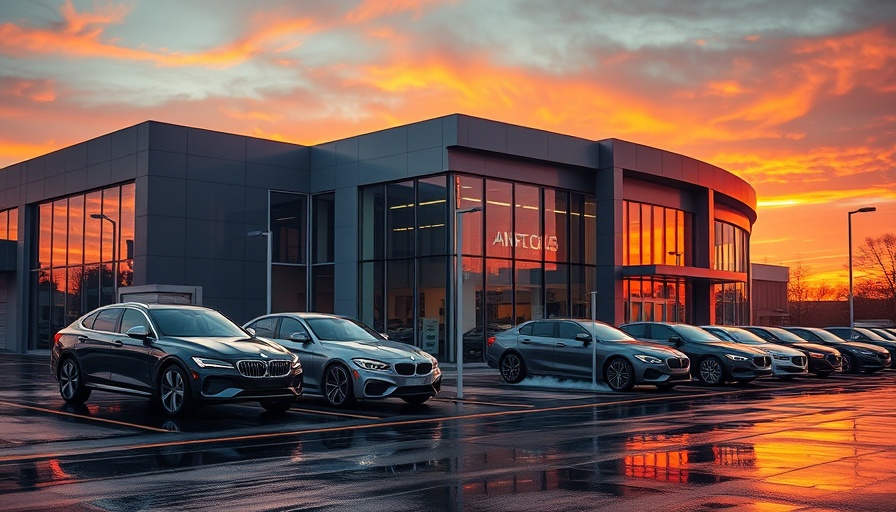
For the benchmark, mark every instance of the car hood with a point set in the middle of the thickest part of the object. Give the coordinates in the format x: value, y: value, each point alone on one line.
x: 778, y: 350
x: 866, y: 346
x: 647, y: 348
x: 379, y: 349
x: 227, y: 346
x: 815, y: 347
x: 735, y: 348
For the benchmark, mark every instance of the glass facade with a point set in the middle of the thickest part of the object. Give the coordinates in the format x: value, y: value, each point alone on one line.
x: 518, y: 259
x: 9, y: 224
x: 731, y: 253
x: 656, y: 235
x: 302, y: 252
x: 85, y: 248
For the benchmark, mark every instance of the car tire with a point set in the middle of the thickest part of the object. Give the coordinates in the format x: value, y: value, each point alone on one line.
x: 710, y: 371
x: 71, y: 382
x: 173, y: 394
x: 512, y: 367
x: 338, y: 387
x: 850, y: 364
x: 619, y: 375
x: 416, y: 400
x: 277, y: 405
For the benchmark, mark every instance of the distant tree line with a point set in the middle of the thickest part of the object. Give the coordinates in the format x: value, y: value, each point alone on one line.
x: 874, y: 278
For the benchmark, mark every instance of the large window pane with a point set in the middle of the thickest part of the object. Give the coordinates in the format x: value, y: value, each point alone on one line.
x: 60, y: 233
x: 469, y: 192
x: 529, y: 290
x: 432, y: 286
x: 556, y: 283
x: 498, y: 219
x: 634, y: 233
x: 556, y: 218
x: 527, y: 237
x: 590, y: 238
x: 288, y: 227
x: 322, y: 228
x: 76, y: 230
x: 45, y: 236
x: 582, y: 282
x: 93, y: 205
x: 432, y: 217
x: 646, y: 234
x: 400, y: 221
x: 499, y: 292
x: 373, y: 223
x: 322, y: 288
x: 288, y: 288
x: 474, y: 336
x: 400, y: 300
x: 659, y: 235
x: 371, y: 296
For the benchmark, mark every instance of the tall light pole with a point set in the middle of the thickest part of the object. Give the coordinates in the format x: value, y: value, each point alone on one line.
x: 866, y: 209
x: 102, y: 217
x: 266, y: 234
x: 459, y: 291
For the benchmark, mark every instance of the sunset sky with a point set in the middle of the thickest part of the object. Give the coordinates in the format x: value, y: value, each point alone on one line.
x: 798, y: 97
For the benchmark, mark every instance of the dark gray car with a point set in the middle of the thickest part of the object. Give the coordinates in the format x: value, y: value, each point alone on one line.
x: 565, y: 347
x: 714, y: 361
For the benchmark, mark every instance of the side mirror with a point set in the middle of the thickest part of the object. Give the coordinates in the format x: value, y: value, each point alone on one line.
x: 301, y: 337
x: 251, y: 331
x: 584, y: 337
x: 676, y: 340
x: 139, y: 332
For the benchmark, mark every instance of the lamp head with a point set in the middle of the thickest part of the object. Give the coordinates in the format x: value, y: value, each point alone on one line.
x: 867, y: 209
x: 97, y: 216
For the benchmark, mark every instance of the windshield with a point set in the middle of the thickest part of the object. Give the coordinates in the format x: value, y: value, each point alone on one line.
x: 785, y: 335
x: 341, y: 329
x: 191, y: 323
x: 695, y: 334
x: 826, y: 335
x: 745, y: 336
x: 606, y: 332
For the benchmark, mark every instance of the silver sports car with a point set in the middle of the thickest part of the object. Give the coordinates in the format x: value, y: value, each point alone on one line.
x: 344, y: 359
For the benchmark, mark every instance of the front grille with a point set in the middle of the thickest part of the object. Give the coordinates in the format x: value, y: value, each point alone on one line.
x: 762, y: 361
x: 678, y: 362
x: 413, y: 368
x: 799, y: 360
x: 258, y: 369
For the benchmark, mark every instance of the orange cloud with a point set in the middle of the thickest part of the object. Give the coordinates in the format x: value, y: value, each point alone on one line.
x: 372, y: 9
x: 883, y: 193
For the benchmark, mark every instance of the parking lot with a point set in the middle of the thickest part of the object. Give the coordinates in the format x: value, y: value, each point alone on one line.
x: 805, y: 444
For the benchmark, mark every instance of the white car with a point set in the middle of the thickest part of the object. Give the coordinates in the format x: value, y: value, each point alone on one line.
x: 786, y: 362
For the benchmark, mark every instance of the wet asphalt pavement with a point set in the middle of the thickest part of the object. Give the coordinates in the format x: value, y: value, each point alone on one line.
x: 808, y: 444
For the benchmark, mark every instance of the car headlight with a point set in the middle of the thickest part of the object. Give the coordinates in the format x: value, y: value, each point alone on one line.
x: 207, y: 362
x: 296, y: 362
x: 644, y: 358
x: 736, y: 357
x: 371, y: 364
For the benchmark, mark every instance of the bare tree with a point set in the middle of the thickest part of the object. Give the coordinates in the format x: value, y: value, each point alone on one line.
x: 877, y: 261
x: 798, y: 292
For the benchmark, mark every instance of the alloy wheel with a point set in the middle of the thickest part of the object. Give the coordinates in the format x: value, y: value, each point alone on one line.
x: 172, y: 390
x: 711, y: 371
x: 337, y: 386
x: 619, y: 375
x: 512, y: 369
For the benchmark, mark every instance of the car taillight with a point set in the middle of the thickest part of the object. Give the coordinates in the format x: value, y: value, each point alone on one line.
x: 490, y: 340
x: 57, y: 337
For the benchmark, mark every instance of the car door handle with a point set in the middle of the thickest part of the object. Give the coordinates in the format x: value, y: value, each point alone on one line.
x: 526, y: 341
x: 561, y: 344
x: 116, y: 343
x: 83, y: 339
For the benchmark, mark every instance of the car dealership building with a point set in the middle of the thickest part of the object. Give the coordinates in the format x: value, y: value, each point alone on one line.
x: 365, y: 226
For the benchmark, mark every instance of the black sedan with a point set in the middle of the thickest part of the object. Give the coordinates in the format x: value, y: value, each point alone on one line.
x: 178, y: 356
x: 823, y: 360
x: 857, y: 357
x: 713, y: 361
x: 868, y: 337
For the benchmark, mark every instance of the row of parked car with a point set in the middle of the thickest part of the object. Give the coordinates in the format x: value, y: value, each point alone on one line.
x: 182, y: 356
x: 665, y: 354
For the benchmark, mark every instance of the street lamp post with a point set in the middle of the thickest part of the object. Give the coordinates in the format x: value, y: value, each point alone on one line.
x: 266, y: 234
x: 459, y: 291
x: 102, y: 217
x: 849, y: 236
